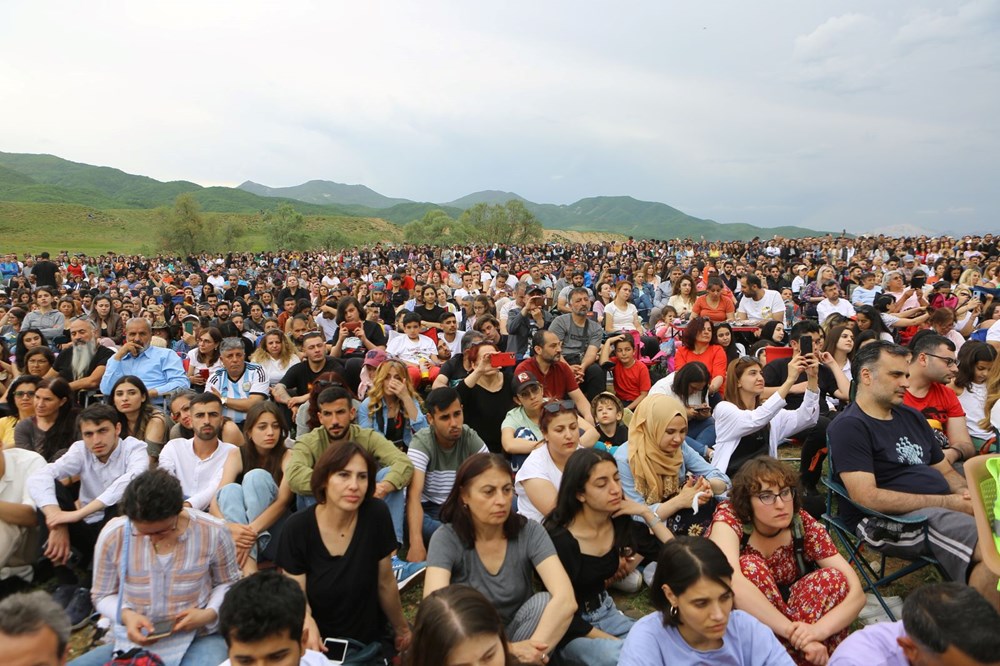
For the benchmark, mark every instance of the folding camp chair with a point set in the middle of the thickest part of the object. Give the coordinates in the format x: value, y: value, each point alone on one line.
x: 872, y: 581
x: 983, y: 490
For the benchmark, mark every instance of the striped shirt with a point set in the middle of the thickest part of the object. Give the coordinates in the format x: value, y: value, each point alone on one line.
x: 196, y: 575
x: 252, y: 381
x: 440, y: 465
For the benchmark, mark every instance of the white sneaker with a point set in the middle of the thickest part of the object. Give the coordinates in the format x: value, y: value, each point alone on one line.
x: 630, y: 584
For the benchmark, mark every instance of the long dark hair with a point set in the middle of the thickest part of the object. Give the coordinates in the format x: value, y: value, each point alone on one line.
x: 732, y: 353
x: 455, y: 512
x: 971, y: 353
x: 63, y: 431
x: 20, y: 350
x: 11, y: 400
x: 447, y: 617
x: 692, y: 372
x: 146, y: 410
x: 694, y: 327
x: 270, y: 461
x: 577, y: 472
x: 874, y: 317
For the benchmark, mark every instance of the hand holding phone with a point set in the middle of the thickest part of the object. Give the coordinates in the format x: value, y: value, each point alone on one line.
x: 806, y: 345
x: 502, y: 360
x: 161, y: 629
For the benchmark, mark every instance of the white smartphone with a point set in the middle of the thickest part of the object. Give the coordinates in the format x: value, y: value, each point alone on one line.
x: 336, y: 650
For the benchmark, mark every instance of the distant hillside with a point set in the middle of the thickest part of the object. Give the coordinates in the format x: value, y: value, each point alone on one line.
x: 46, y: 179
x: 325, y: 192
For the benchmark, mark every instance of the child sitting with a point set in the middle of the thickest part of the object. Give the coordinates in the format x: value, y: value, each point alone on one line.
x: 608, y: 411
x: 631, y: 378
x: 417, y: 351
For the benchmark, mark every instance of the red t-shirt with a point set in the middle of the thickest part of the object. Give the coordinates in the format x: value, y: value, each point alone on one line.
x: 559, y: 381
x: 630, y: 382
x: 940, y: 404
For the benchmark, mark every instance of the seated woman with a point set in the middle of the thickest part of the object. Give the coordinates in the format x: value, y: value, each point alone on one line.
x: 136, y: 413
x: 52, y: 429
x: 391, y: 406
x: 20, y: 406
x: 456, y: 626
x: 340, y: 551
x: 591, y: 528
x: 745, y: 427
x: 698, y: 347
x: 660, y: 470
x: 695, y: 622
x: 483, y: 543
x: 355, y: 336
x: 204, y: 359
x: 487, y: 395
x: 537, y: 481
x: 180, y: 413
x: 689, y: 385
x: 276, y: 354
x: 789, y: 574
x: 39, y: 361
x: 254, y: 497
x: 27, y: 339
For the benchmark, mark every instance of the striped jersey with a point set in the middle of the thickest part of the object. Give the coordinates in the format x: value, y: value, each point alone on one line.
x: 252, y: 381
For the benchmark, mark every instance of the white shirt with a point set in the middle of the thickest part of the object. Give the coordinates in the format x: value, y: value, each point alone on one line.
x: 101, y: 481
x: 825, y: 308
x: 538, y: 465
x: 733, y: 424
x: 973, y: 401
x: 993, y: 335
x: 768, y: 304
x: 199, y: 478
x: 621, y: 320
x: 402, y: 347
x: 19, y: 466
x: 217, y: 281
x: 276, y: 370
x: 456, y: 345
x: 327, y: 326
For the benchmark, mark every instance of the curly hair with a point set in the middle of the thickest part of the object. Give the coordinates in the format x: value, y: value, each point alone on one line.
x: 751, y: 479
x: 376, y: 394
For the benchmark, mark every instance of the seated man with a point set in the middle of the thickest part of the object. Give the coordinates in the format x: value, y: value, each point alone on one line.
x: 18, y: 520
x: 34, y: 630
x: 239, y: 384
x: 833, y: 303
x: 436, y: 452
x: 943, y: 623
x: 889, y: 460
x: 262, y: 620
x: 159, y: 369
x: 198, y: 462
x: 457, y: 367
x: 581, y: 341
x: 83, y: 364
x: 105, y: 464
x: 555, y: 375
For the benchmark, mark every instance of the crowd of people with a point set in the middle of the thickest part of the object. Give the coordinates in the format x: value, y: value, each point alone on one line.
x: 249, y: 457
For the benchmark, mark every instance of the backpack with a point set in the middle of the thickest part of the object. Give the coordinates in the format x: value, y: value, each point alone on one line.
x: 803, y: 565
x: 135, y: 657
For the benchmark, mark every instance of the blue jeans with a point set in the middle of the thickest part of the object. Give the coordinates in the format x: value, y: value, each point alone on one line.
x: 431, y: 522
x: 599, y: 651
x: 395, y: 501
x: 204, y: 650
x: 243, y: 503
x: 702, y: 432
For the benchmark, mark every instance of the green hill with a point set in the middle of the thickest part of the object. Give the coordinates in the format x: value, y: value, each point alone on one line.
x: 326, y: 192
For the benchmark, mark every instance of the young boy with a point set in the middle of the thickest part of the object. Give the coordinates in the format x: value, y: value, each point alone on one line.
x: 608, y: 411
x: 261, y: 620
x: 631, y: 378
x: 417, y: 351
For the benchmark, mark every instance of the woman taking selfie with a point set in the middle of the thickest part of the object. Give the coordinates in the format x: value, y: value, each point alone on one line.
x: 483, y: 543
x: 788, y: 573
x: 487, y: 395
x: 591, y: 528
x: 695, y: 622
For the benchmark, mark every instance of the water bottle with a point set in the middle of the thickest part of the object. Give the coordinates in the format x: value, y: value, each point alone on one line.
x: 789, y: 314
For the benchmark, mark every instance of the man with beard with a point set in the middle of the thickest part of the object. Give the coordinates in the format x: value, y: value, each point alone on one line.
x: 83, y: 364
x: 198, y: 462
x: 159, y: 369
x: 555, y: 375
x: 581, y: 339
x: 293, y: 389
x: 222, y: 311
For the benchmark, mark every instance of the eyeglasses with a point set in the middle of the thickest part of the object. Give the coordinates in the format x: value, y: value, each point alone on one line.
x: 947, y: 359
x: 24, y: 394
x: 786, y: 494
x: 559, y: 406
x: 157, y: 533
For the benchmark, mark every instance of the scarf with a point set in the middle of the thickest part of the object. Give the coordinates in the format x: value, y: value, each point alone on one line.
x: 656, y: 473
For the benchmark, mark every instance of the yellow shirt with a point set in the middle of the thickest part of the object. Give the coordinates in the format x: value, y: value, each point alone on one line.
x: 7, y: 425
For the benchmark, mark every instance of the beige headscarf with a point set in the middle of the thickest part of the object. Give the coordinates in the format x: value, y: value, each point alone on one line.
x: 655, y: 471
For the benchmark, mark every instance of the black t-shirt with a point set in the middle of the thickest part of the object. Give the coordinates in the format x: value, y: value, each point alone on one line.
x: 620, y: 437
x: 587, y: 574
x: 454, y: 370
x: 485, y: 411
x: 776, y: 372
x: 386, y: 312
x: 64, y: 362
x: 353, y: 347
x: 430, y: 314
x: 45, y: 273
x: 343, y: 590
x: 299, y: 378
x: 898, y: 452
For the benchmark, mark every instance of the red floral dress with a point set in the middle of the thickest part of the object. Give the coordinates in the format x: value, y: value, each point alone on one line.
x: 813, y: 595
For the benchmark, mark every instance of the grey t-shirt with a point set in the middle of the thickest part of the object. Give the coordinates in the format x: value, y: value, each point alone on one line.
x: 576, y: 339
x: 512, y: 585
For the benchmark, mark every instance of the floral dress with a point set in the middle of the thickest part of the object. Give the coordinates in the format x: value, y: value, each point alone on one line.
x: 813, y: 595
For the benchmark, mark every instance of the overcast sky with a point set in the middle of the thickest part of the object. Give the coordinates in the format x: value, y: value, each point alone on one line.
x: 861, y: 115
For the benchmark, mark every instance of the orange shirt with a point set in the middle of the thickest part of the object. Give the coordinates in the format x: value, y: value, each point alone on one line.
x: 703, y: 309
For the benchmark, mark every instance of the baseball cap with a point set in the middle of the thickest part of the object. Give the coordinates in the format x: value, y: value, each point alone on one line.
x: 524, y: 380
x: 907, y: 258
x: 375, y: 358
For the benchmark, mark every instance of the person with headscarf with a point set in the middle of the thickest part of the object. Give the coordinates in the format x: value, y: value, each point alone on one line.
x: 659, y: 469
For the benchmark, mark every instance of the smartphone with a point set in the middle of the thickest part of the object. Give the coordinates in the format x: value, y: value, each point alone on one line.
x: 502, y: 360
x: 161, y: 629
x: 352, y: 325
x: 189, y: 327
x: 336, y: 650
x: 806, y: 345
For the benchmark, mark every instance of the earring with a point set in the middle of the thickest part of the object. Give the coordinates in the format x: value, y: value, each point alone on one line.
x: 674, y: 613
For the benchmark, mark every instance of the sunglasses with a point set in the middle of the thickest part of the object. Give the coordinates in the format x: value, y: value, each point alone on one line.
x: 559, y: 406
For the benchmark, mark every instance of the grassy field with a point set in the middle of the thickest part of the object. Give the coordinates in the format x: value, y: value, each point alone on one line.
x: 34, y: 227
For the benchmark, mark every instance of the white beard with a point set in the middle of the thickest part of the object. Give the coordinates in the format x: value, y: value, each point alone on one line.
x: 82, y: 356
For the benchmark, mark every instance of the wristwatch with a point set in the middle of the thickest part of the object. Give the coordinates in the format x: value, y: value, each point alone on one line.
x: 224, y: 399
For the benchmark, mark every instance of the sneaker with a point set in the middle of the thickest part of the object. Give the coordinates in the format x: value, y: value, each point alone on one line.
x: 63, y: 594
x: 406, y: 572
x: 630, y: 584
x: 80, y: 608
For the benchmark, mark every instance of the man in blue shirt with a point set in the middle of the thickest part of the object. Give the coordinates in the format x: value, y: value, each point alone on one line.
x: 161, y: 370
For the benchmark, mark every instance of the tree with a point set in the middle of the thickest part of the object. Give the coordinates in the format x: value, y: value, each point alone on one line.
x: 437, y: 228
x: 183, y: 229
x: 285, y: 228
x: 230, y: 236
x: 507, y: 224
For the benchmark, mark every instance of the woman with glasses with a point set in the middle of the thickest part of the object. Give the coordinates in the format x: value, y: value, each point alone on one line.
x: 591, y: 528
x: 788, y: 573
x: 39, y: 361
x: 20, y: 406
x: 537, y: 481
x: 746, y: 426
x: 204, y: 359
x: 485, y: 545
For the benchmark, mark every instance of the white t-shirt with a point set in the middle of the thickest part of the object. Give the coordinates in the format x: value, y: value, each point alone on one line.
x: 825, y: 308
x: 621, y: 320
x: 993, y: 335
x: 456, y: 345
x: 769, y: 303
x: 973, y: 401
x: 666, y: 387
x: 538, y: 465
x: 276, y: 370
x: 402, y: 347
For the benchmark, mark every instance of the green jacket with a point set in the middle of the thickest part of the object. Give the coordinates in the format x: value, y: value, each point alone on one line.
x: 313, y: 444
